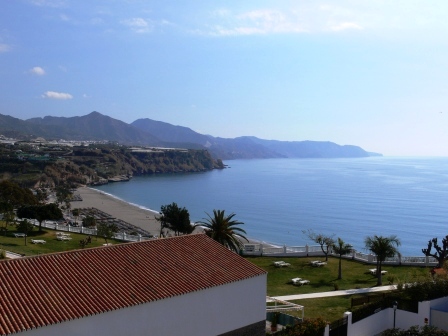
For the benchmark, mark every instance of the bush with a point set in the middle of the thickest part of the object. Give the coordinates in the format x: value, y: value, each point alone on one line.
x: 2, y: 254
x: 309, y: 327
x: 415, y: 331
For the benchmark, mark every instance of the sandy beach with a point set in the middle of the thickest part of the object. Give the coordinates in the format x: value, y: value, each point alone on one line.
x: 127, y: 212
x: 92, y: 198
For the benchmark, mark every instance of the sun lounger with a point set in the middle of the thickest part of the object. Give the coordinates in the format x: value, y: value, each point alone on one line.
x: 38, y: 241
x: 281, y: 264
x: 295, y: 280
x: 373, y: 271
x: 318, y: 263
x: 17, y: 235
x: 301, y: 282
x: 63, y: 238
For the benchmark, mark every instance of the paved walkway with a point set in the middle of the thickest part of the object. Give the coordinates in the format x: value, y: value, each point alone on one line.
x: 336, y: 293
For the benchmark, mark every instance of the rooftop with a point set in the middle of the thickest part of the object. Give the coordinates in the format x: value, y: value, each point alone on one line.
x: 52, y: 288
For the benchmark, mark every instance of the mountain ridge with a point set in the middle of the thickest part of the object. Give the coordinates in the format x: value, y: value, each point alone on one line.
x: 147, y: 132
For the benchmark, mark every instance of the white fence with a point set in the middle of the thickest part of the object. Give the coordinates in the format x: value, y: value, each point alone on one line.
x: 87, y: 231
x: 316, y: 251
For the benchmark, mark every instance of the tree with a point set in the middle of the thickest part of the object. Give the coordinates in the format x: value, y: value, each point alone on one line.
x: 25, y: 227
x: 440, y: 253
x: 76, y: 213
x: 325, y: 242
x: 107, y: 230
x: 40, y: 212
x: 382, y: 247
x: 89, y: 221
x: 224, y: 229
x: 63, y: 194
x: 12, y: 196
x: 175, y: 218
x: 341, y: 248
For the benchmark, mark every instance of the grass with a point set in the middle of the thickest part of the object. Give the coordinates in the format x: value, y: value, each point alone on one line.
x: 10, y: 243
x: 324, y: 279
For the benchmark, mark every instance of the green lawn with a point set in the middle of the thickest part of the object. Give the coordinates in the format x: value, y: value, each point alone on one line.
x: 10, y: 243
x: 324, y: 279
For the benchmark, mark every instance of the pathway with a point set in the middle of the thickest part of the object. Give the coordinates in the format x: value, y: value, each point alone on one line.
x: 336, y: 293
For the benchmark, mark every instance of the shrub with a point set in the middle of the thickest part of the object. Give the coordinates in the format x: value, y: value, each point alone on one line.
x: 309, y: 327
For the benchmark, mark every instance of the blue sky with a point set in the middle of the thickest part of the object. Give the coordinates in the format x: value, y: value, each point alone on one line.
x: 371, y: 73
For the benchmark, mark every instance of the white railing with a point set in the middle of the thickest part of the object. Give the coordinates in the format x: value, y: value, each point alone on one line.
x: 316, y: 251
x: 87, y: 231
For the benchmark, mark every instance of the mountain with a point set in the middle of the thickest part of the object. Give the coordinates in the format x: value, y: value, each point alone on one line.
x: 226, y: 149
x: 146, y: 132
x: 248, y: 146
x: 96, y: 126
x: 312, y: 149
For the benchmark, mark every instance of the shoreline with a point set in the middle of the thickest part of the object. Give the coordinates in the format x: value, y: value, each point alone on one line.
x: 118, y: 208
x: 126, y: 211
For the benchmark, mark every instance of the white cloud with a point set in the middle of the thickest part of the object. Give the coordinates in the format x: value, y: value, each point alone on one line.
x: 345, y: 26
x: 49, y: 3
x: 37, y: 71
x: 4, y: 48
x: 257, y: 22
x: 138, y: 25
x: 57, y: 95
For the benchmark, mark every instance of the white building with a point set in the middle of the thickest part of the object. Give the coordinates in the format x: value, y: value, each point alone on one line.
x: 187, y: 285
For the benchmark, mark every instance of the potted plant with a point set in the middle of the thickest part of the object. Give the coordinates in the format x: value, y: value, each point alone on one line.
x: 274, y: 322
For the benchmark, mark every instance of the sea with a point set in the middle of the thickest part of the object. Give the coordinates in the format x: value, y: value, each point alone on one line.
x: 280, y: 200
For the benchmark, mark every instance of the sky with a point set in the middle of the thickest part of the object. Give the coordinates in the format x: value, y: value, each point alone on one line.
x: 371, y: 73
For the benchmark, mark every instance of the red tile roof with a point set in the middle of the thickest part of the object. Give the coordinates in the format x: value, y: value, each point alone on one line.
x: 52, y: 288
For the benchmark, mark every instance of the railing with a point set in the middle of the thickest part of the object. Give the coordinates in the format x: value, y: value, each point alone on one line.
x: 87, y: 231
x: 316, y: 251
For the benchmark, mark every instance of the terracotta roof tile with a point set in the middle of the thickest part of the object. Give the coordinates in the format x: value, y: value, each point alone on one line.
x: 52, y: 288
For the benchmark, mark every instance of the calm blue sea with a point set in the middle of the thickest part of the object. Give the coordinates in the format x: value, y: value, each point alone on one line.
x: 279, y: 198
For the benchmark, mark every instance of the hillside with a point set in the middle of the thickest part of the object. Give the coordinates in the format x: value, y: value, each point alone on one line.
x: 146, y: 132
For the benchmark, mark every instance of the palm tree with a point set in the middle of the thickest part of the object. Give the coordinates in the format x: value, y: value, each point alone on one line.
x: 341, y: 248
x: 224, y: 229
x: 382, y: 247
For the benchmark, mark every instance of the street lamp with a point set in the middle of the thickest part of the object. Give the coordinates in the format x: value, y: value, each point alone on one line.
x: 395, y: 306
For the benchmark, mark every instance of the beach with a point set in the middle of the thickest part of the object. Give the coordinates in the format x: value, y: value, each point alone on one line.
x: 91, y: 198
x: 130, y: 213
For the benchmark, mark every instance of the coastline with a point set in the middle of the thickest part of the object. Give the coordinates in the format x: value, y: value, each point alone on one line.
x: 128, y: 212
x: 118, y: 208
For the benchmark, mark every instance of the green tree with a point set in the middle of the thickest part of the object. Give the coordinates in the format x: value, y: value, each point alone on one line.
x: 63, y: 194
x: 107, y: 230
x: 224, y: 229
x: 24, y: 226
x: 341, y: 248
x: 325, y: 242
x: 175, y: 218
x: 382, y: 247
x: 13, y: 194
x: 40, y: 212
x: 89, y: 221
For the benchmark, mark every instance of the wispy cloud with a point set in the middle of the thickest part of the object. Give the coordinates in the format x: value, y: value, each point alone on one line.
x: 138, y: 25
x: 37, y: 71
x: 57, y: 95
x: 345, y: 26
x: 5, y: 48
x: 256, y: 22
x: 49, y: 3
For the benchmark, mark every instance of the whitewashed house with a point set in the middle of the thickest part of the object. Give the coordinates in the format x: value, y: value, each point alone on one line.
x: 187, y: 285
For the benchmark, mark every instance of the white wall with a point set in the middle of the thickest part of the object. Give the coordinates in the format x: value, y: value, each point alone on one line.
x: 208, y: 312
x: 384, y: 319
